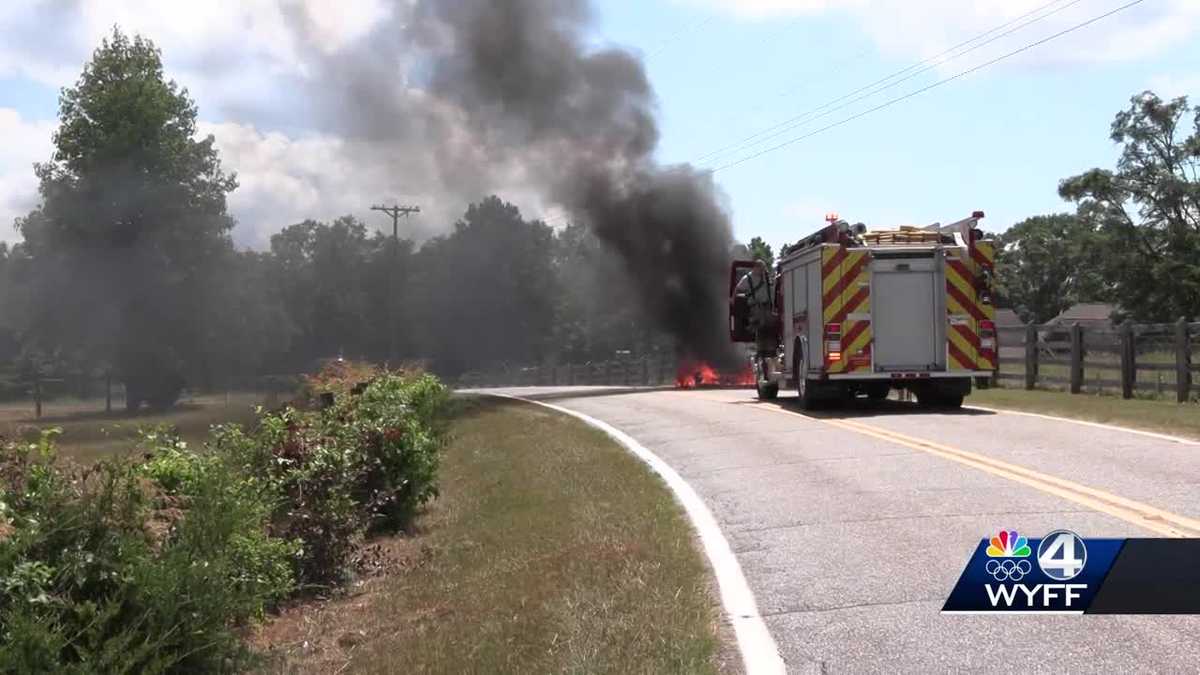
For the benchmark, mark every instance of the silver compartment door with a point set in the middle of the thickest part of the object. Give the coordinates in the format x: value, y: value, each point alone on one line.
x: 904, y: 304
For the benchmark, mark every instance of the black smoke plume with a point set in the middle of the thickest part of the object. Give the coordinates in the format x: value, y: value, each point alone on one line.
x: 465, y: 97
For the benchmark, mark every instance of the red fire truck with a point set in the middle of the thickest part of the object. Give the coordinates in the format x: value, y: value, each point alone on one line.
x: 862, y: 313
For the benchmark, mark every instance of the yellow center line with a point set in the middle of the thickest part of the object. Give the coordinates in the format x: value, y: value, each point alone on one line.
x: 1141, y: 514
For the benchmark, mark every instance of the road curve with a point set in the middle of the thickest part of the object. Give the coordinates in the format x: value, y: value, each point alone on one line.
x: 852, y: 526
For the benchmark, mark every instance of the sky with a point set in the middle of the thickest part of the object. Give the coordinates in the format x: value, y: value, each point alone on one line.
x: 733, y: 78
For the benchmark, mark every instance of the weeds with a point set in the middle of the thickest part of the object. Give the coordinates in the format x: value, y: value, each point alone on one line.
x: 151, y: 565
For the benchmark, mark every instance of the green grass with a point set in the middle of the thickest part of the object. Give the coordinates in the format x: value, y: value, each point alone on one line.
x: 551, y: 549
x: 89, y: 433
x: 1152, y: 415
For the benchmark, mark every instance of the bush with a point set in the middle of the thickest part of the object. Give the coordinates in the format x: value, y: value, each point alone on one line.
x: 152, y: 565
x: 366, y: 464
x: 106, y: 571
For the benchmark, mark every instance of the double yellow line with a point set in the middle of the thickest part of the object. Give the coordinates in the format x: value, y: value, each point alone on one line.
x: 1143, y: 515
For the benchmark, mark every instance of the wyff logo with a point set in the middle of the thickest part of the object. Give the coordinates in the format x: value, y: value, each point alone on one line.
x: 1004, y: 575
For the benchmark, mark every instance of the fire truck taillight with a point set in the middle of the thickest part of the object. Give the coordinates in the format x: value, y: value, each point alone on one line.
x: 833, y: 342
x: 987, y: 339
x: 983, y: 286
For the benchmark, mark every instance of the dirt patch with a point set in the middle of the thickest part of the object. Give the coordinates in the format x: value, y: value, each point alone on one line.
x: 320, y: 634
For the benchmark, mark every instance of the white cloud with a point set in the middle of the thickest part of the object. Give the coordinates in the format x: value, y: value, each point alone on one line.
x: 926, y: 27
x: 48, y: 40
x: 1172, y: 85
x: 284, y: 180
x: 25, y: 142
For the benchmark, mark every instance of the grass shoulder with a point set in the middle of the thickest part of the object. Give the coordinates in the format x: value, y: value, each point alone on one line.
x: 89, y: 434
x: 1167, y: 417
x: 550, y: 549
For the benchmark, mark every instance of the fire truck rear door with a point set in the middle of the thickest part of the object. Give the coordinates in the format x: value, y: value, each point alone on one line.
x: 904, y: 304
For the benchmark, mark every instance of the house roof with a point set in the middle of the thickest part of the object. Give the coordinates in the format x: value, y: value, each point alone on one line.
x: 1096, y: 312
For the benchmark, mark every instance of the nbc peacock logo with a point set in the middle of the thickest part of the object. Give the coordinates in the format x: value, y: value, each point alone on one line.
x: 1007, y: 544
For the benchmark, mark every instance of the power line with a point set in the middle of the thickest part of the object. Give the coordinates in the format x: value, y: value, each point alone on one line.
x: 929, y: 64
x: 939, y: 83
x: 675, y: 37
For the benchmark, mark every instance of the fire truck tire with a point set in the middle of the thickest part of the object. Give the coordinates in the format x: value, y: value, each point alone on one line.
x: 804, y: 388
x: 935, y: 398
x: 951, y: 401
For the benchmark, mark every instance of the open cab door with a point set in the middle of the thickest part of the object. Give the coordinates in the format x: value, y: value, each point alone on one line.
x: 739, y: 306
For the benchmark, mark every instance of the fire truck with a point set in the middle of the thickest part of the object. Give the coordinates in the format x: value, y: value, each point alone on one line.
x: 860, y: 313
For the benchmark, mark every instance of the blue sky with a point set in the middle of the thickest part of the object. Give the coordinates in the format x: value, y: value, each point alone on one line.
x: 998, y: 140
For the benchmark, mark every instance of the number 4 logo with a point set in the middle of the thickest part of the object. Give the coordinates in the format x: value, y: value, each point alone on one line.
x: 1062, y: 555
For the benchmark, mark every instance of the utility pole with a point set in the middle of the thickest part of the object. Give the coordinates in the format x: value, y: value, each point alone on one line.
x: 395, y: 212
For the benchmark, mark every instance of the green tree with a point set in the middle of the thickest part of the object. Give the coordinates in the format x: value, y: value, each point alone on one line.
x: 332, y: 280
x: 132, y: 223
x: 761, y: 249
x: 595, y: 314
x: 8, y: 301
x: 1045, y: 264
x: 1147, y: 211
x: 486, y: 293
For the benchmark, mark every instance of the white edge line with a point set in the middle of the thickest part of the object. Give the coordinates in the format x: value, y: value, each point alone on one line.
x: 760, y: 654
x: 1086, y: 423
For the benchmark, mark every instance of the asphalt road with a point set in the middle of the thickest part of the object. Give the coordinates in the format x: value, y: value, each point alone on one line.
x: 852, y: 526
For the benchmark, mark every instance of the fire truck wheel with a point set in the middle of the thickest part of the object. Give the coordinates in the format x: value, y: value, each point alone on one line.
x: 933, y: 397
x: 952, y: 401
x: 804, y: 388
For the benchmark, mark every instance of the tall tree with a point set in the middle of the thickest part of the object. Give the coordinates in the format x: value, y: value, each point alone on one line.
x: 1045, y: 264
x: 760, y: 249
x: 1148, y: 209
x: 328, y: 278
x: 132, y: 222
x: 485, y: 294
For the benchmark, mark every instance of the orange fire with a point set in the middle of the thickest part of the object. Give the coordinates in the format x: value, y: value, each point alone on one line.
x: 692, y: 374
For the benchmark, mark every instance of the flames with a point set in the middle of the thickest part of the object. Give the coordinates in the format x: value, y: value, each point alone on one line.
x: 693, y: 374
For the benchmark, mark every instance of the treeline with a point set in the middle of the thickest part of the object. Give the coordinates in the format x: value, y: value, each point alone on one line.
x: 1134, y: 239
x: 498, y: 289
x: 127, y: 266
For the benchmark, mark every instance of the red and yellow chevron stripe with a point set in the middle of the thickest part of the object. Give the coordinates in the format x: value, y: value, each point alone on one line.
x: 964, y: 309
x: 846, y: 289
x: 983, y: 254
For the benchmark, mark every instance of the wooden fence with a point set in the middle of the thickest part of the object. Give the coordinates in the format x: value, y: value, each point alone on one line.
x: 1133, y: 359
x: 646, y: 371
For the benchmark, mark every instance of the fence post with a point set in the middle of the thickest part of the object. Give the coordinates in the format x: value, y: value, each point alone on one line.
x: 1076, y: 358
x: 108, y: 393
x: 37, y: 396
x: 1183, y: 361
x: 1128, y: 360
x: 1031, y: 356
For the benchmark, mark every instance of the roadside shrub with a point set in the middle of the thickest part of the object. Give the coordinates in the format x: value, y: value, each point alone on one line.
x: 313, y: 477
x: 152, y: 562
x: 397, y: 426
x: 367, y: 464
x: 106, y: 571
